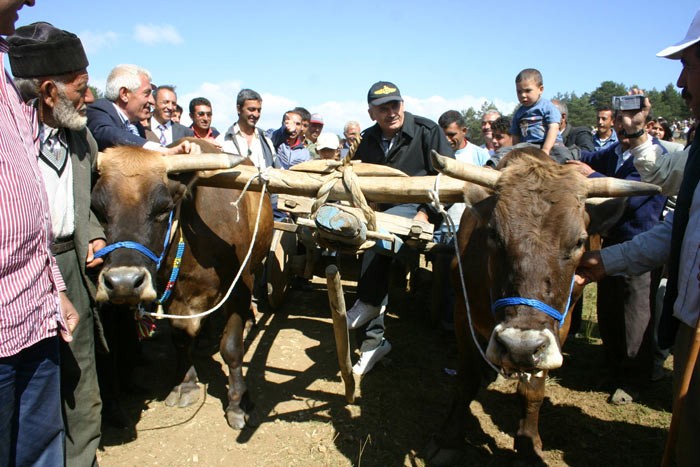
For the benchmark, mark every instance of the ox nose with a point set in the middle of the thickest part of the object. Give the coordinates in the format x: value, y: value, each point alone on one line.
x: 124, y: 283
x: 524, y: 352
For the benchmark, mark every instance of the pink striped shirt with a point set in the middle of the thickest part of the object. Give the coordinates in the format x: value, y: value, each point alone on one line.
x: 29, y: 277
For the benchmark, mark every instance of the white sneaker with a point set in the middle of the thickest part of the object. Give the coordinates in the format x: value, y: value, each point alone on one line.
x: 361, y: 313
x: 370, y: 358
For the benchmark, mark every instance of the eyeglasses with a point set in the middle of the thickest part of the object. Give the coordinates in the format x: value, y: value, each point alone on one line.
x: 202, y: 114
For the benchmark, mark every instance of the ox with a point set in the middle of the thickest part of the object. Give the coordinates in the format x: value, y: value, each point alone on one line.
x: 520, y: 243
x: 135, y: 195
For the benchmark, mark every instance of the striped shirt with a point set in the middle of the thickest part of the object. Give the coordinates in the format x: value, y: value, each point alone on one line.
x: 29, y: 276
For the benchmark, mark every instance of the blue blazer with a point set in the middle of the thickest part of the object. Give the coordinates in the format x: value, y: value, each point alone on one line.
x: 642, y: 212
x: 107, y: 127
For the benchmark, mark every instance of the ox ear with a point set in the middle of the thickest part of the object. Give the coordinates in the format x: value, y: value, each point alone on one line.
x: 177, y: 190
x: 604, y: 213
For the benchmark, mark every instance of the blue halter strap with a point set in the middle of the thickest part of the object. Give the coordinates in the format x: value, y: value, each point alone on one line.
x: 144, y: 250
x: 536, y: 304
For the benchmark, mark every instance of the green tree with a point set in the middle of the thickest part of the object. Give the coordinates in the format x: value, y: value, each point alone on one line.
x: 96, y: 92
x: 473, y: 119
x: 581, y: 112
x: 603, y: 94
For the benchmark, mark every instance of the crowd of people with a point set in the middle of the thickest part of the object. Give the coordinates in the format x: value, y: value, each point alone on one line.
x: 51, y: 130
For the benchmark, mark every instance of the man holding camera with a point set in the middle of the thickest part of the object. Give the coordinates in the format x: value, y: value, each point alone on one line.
x: 623, y: 302
x: 674, y: 242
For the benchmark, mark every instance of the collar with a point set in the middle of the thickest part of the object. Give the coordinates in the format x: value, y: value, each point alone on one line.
x: 47, y: 133
x: 121, y: 114
x: 209, y: 135
x: 4, y: 45
x: 167, y: 124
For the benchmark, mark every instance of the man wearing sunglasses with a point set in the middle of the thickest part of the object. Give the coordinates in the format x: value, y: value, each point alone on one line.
x: 201, y: 115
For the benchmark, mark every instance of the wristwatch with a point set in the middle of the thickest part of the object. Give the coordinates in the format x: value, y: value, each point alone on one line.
x: 636, y: 134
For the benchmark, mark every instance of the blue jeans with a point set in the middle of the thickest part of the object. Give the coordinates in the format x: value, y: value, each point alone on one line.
x: 31, y: 426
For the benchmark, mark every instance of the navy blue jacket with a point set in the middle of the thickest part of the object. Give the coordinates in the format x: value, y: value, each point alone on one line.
x: 642, y: 212
x: 107, y: 127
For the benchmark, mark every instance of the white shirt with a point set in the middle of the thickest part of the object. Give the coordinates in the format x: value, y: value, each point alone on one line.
x: 254, y: 152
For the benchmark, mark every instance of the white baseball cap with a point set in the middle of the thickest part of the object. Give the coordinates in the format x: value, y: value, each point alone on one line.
x: 327, y: 140
x: 675, y: 51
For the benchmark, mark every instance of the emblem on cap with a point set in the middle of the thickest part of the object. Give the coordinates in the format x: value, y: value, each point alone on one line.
x: 385, y: 90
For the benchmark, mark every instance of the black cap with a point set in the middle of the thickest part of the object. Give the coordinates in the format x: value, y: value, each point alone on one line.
x: 382, y: 92
x: 40, y: 49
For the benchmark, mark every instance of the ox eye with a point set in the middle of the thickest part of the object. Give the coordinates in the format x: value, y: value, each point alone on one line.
x: 162, y: 214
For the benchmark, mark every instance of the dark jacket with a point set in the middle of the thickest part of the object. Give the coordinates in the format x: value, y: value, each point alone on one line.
x: 107, y: 127
x: 642, y: 212
x: 410, y: 153
x: 578, y: 136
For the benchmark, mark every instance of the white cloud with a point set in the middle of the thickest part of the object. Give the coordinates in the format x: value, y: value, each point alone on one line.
x: 94, y: 41
x: 152, y: 34
x: 223, y: 101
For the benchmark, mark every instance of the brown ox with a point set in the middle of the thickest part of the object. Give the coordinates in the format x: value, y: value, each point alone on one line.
x: 134, y: 197
x: 522, y: 239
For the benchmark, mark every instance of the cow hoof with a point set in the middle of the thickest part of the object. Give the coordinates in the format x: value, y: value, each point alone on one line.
x: 188, y: 397
x: 173, y: 398
x: 236, y: 419
x: 183, y: 395
x: 442, y: 456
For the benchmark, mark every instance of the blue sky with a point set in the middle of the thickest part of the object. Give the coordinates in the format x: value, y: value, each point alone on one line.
x: 324, y: 55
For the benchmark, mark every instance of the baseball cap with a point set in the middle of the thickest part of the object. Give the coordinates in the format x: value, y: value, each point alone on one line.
x: 675, y: 51
x: 327, y: 140
x: 316, y: 118
x: 382, y: 92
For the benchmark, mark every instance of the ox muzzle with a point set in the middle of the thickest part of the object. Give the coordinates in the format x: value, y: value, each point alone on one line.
x: 526, y: 351
x: 130, y: 284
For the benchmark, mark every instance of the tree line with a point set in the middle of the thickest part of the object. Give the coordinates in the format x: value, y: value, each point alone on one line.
x: 666, y: 103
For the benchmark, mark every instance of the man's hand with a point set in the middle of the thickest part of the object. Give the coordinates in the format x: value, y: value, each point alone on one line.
x: 93, y: 247
x: 581, y: 167
x: 70, y: 317
x: 635, y: 120
x: 421, y: 216
x: 590, y: 268
x: 185, y: 147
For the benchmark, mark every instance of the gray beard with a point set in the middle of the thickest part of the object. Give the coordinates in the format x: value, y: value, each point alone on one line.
x: 66, y: 116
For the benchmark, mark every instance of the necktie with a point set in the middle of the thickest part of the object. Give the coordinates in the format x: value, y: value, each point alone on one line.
x: 163, y: 141
x: 54, y: 151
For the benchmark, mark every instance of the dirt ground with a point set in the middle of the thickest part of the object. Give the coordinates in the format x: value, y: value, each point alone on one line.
x: 293, y: 376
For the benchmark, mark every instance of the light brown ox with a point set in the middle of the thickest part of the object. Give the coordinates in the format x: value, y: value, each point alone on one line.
x: 523, y: 237
x: 134, y: 196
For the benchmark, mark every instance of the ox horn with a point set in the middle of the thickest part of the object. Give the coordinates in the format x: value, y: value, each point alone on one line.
x: 204, y: 161
x: 606, y: 187
x: 462, y: 171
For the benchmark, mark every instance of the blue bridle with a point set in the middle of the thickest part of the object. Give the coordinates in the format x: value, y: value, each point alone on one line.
x: 144, y: 250
x: 536, y: 304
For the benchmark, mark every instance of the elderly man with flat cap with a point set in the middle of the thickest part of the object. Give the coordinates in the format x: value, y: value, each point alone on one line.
x: 50, y: 69
x: 403, y: 141
x: 674, y: 242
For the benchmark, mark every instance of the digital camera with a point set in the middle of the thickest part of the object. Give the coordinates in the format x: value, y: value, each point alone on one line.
x: 634, y: 102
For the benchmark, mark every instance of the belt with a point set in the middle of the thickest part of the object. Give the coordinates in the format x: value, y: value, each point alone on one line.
x: 61, y: 245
